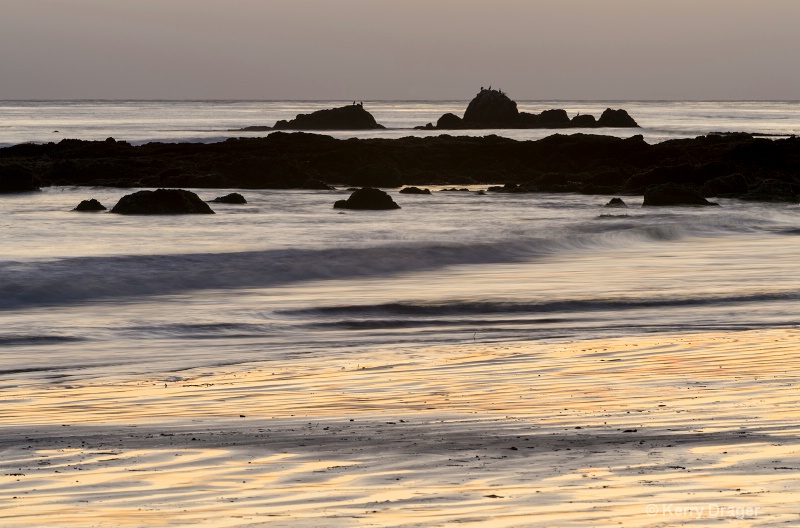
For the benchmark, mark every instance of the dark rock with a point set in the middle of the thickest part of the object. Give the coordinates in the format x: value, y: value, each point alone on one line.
x: 771, y: 191
x: 317, y: 185
x: 555, y: 118
x: 162, y: 201
x: 351, y: 117
x: 449, y: 121
x: 90, y: 205
x: 491, y: 108
x: 683, y: 174
x: 253, y: 128
x: 616, y: 119
x: 377, y: 174
x: 583, y: 121
x: 673, y: 194
x: 731, y: 184
x: 511, y: 187
x: 367, y: 198
x: 414, y: 190
x: 454, y: 189
x: 16, y: 178
x: 616, y: 202
x: 232, y: 198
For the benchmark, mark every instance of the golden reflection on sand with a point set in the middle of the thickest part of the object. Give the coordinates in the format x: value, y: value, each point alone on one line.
x: 583, y: 433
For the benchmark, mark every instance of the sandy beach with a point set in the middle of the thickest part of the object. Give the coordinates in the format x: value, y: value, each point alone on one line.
x: 653, y: 431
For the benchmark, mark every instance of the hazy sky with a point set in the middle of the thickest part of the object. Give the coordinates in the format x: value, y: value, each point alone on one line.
x: 399, y: 49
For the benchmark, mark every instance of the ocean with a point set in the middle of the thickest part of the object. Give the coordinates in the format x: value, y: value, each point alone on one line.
x: 286, y: 283
x: 209, y: 121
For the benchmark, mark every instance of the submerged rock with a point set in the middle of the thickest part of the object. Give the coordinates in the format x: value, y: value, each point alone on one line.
x: 90, y: 205
x: 616, y: 202
x: 232, y: 198
x: 367, y: 199
x: 350, y: 117
x: 673, y: 194
x: 414, y: 190
x: 162, y: 201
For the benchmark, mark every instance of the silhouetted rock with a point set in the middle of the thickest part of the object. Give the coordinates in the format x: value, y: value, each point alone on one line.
x: 162, y: 201
x: 449, y: 121
x: 350, y: 117
x: 616, y: 119
x: 584, y: 121
x: 491, y: 108
x: 317, y: 185
x: 253, y: 128
x: 672, y: 194
x: 90, y: 205
x: 16, y: 178
x: 368, y: 199
x: 232, y: 198
x: 616, y: 202
x: 414, y: 190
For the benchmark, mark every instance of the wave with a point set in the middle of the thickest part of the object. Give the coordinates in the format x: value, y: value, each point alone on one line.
x: 83, y: 279
x: 478, y: 308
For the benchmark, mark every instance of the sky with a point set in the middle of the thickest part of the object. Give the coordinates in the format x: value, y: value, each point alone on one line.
x: 400, y: 49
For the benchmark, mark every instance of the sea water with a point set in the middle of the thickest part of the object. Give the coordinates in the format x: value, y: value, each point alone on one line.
x: 100, y: 296
x: 209, y: 121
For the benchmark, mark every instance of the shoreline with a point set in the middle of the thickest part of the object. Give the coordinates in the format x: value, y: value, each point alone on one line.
x: 579, y: 433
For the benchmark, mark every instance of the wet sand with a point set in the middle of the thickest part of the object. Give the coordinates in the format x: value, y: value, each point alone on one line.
x: 655, y: 431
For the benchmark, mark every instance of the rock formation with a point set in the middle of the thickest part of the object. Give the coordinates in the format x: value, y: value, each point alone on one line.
x: 162, y: 201
x: 367, y: 199
x: 414, y: 190
x: 15, y: 178
x: 89, y: 206
x: 494, y: 109
x: 350, y: 117
x: 673, y: 194
x: 232, y: 198
x: 616, y: 202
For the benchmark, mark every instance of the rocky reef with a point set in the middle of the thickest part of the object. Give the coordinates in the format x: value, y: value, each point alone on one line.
x: 494, y: 109
x: 722, y: 166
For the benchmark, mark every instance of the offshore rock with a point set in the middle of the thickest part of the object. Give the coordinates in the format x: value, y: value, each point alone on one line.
x: 491, y: 108
x: 494, y: 109
x: 414, y: 190
x: 16, y: 178
x: 90, y: 206
x: 616, y: 119
x: 673, y: 194
x: 350, y: 117
x: 450, y: 121
x: 162, y: 201
x: 584, y: 121
x: 367, y: 199
x: 232, y: 198
x: 616, y: 202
